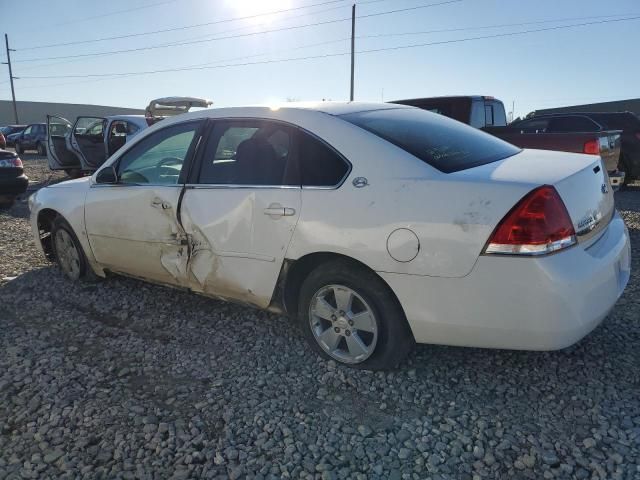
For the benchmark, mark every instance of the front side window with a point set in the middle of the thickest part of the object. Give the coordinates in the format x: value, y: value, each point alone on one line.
x: 89, y: 126
x: 158, y: 159
x: 443, y: 143
x: 27, y: 131
x: 249, y: 152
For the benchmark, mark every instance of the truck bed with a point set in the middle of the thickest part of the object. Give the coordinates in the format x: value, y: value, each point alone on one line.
x: 609, y: 142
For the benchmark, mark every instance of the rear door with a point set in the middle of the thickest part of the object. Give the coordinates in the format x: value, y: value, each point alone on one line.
x: 241, y: 208
x: 58, y: 155
x: 88, y: 141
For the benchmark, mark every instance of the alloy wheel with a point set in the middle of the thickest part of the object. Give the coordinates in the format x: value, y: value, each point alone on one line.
x: 343, y: 324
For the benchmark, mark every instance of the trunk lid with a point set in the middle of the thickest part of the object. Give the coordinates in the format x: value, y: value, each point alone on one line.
x: 581, y: 180
x: 169, y: 106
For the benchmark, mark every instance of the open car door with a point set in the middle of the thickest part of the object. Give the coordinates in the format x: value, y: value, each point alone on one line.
x: 88, y: 141
x: 59, y: 156
x: 169, y: 106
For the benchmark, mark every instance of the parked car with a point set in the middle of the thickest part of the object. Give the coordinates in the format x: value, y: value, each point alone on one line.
x: 13, y: 181
x: 488, y: 113
x: 34, y: 137
x: 476, y: 110
x: 626, y: 122
x: 85, y: 145
x: 11, y: 130
x: 375, y: 225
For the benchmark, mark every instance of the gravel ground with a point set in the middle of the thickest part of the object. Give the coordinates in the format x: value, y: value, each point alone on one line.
x: 122, y: 379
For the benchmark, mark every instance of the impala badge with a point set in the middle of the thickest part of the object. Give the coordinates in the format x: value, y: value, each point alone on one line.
x: 604, y: 188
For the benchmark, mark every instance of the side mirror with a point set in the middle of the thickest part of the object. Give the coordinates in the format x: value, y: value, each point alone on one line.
x: 107, y: 175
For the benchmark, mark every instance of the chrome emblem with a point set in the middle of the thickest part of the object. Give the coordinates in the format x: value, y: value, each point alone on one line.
x: 604, y: 188
x: 360, y: 182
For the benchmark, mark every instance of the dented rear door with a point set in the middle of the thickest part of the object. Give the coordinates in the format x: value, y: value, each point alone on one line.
x: 240, y: 210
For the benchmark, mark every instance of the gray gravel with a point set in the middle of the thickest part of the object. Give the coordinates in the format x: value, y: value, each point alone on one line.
x: 122, y: 379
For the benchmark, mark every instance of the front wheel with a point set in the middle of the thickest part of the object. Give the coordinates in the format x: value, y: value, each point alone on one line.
x: 350, y: 315
x: 68, y: 252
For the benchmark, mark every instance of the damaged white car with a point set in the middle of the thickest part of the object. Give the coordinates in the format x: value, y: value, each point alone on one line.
x: 85, y: 145
x: 375, y: 225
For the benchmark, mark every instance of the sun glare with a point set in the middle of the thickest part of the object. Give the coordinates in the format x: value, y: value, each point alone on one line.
x: 259, y: 7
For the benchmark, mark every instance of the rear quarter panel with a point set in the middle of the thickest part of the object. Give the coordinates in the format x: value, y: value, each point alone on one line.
x: 452, y: 216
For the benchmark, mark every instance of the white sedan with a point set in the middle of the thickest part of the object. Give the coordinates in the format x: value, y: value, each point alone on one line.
x: 374, y: 225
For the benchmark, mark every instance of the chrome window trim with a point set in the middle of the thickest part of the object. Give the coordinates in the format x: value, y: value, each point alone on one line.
x: 222, y: 186
x: 98, y: 185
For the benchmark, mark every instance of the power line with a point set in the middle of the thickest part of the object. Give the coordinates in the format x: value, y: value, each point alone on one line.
x: 484, y: 27
x: 328, y: 55
x: 175, y: 29
x: 117, y: 12
x: 192, y: 42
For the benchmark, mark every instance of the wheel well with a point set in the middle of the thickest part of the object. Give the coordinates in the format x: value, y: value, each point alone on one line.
x: 294, y: 272
x: 46, y: 216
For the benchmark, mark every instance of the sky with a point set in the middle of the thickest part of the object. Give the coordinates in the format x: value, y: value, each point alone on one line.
x: 563, y: 66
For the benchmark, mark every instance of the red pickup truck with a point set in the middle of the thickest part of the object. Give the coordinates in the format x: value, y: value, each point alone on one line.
x: 488, y: 114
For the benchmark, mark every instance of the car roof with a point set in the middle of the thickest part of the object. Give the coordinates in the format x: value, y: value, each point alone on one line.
x: 290, y: 109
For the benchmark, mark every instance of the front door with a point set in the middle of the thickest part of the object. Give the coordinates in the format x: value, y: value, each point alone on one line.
x: 240, y: 209
x: 58, y: 155
x: 88, y: 141
x: 133, y: 224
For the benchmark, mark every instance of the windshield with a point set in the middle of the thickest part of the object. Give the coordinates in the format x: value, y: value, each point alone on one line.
x: 443, y: 143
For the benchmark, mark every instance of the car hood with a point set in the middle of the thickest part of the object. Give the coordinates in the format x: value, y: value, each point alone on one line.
x: 77, y: 183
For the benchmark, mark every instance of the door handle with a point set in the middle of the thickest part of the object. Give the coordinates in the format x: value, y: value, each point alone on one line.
x: 158, y: 203
x: 277, y: 210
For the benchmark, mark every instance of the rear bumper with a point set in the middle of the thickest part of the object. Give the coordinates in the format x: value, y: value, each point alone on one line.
x: 544, y: 303
x: 13, y: 185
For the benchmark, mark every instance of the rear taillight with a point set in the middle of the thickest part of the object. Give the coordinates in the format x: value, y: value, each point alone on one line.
x: 14, y: 162
x: 538, y: 224
x: 592, y: 147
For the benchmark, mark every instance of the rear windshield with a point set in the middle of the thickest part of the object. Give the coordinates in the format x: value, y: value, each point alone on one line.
x: 443, y: 143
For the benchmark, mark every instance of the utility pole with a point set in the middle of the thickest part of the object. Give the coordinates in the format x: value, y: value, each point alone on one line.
x: 13, y: 92
x: 353, y: 43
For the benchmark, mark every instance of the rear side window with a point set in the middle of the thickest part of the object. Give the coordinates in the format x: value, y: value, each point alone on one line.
x: 618, y: 121
x: 444, y: 144
x: 320, y: 166
x: 572, y: 124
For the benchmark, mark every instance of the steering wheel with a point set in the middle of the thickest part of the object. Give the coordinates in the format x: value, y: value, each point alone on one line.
x: 166, y: 162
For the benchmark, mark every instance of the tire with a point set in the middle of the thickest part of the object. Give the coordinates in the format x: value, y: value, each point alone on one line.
x: 6, y: 204
x: 384, y: 338
x: 623, y: 166
x: 68, y: 252
x: 42, y: 151
x: 73, y: 172
x: 19, y: 149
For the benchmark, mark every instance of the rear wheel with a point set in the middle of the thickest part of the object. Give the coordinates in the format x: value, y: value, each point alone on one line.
x: 6, y: 202
x: 68, y: 252
x: 350, y: 315
x: 42, y: 151
x: 623, y: 166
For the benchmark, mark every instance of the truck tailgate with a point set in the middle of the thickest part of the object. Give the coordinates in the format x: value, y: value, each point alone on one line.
x: 609, y: 142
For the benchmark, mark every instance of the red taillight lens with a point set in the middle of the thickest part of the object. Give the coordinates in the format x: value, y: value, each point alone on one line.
x: 592, y: 147
x: 538, y: 224
x: 17, y: 162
